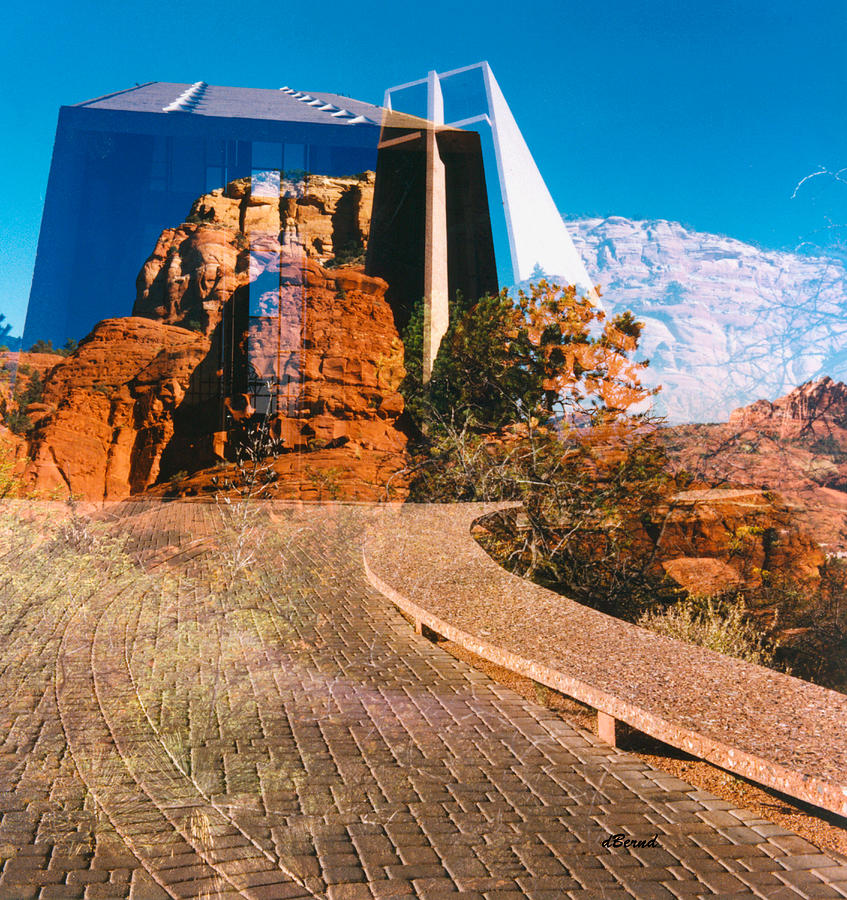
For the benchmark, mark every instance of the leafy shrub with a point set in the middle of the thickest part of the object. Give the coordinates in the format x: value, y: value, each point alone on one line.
x: 42, y: 347
x: 18, y: 421
x: 349, y: 254
x: 813, y: 643
x: 546, y: 355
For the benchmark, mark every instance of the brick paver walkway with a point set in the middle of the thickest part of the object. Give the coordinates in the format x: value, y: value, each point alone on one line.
x: 223, y: 707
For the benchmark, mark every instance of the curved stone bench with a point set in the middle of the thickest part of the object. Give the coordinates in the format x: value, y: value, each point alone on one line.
x: 775, y: 730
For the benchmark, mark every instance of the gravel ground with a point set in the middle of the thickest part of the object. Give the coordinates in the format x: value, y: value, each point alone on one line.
x: 824, y: 830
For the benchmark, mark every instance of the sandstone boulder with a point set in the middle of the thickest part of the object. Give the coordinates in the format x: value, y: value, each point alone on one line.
x: 702, y: 575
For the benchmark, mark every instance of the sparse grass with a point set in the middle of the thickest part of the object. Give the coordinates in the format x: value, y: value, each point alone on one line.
x: 200, y: 828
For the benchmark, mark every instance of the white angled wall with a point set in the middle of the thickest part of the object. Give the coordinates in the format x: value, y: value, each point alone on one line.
x: 537, y: 234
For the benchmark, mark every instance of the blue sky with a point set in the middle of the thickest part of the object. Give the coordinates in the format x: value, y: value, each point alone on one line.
x: 705, y: 113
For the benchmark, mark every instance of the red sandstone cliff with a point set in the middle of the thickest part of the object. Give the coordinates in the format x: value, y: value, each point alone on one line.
x: 817, y: 408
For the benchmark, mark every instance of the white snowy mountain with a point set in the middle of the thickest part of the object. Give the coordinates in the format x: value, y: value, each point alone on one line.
x: 725, y: 322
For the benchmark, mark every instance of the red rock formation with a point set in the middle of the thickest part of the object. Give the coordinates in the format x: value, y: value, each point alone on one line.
x: 345, y: 368
x: 714, y: 539
x: 796, y: 445
x: 233, y: 231
x: 233, y: 305
x: 816, y: 408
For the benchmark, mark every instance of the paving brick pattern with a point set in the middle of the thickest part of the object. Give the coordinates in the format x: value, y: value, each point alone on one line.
x: 224, y: 707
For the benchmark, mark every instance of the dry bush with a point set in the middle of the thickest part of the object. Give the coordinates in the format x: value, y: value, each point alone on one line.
x: 717, y: 623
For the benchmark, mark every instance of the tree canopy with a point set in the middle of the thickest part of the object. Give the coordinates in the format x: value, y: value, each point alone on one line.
x: 546, y: 355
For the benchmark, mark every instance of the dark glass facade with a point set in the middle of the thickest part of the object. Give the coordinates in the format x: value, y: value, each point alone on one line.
x: 119, y: 177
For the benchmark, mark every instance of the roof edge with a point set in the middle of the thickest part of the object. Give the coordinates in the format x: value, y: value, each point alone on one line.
x: 115, y: 94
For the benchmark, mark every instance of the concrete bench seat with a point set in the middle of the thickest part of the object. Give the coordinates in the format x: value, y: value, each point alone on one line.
x: 776, y: 730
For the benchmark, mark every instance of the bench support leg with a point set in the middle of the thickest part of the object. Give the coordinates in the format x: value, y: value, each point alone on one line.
x: 542, y: 694
x: 606, y: 728
x: 424, y: 631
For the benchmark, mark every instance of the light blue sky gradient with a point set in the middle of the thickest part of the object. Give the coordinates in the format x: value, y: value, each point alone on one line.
x: 705, y: 113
